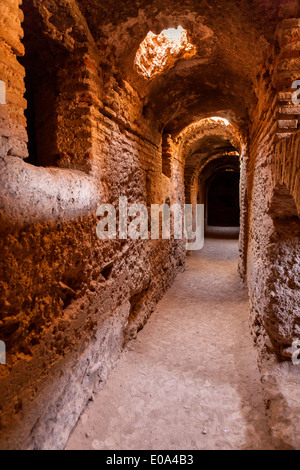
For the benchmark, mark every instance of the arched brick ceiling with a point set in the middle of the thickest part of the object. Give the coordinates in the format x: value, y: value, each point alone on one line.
x: 232, y: 38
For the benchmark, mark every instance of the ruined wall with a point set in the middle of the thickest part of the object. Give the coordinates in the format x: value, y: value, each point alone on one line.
x: 273, y: 251
x: 69, y: 301
x: 273, y: 280
x: 271, y: 234
x: 273, y: 192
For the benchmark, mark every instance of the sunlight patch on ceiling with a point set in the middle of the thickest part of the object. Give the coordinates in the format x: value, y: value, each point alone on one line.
x: 158, y: 53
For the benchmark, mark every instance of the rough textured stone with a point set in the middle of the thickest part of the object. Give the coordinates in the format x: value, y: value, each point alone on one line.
x: 95, y: 129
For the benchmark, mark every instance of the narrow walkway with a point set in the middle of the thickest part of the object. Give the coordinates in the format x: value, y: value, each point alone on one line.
x: 190, y: 380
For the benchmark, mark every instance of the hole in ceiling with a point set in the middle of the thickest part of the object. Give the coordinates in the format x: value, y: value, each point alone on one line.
x: 158, y: 53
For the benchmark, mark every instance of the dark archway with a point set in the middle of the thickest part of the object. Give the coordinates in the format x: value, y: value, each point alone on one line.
x: 223, y: 199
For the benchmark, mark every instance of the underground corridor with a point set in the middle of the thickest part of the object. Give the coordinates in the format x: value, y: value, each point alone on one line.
x: 116, y: 333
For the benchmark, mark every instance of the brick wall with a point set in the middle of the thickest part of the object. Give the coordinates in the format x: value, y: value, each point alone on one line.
x: 12, y: 121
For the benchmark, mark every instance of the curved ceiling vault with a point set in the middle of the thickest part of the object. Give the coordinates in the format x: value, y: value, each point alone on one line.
x: 219, y: 79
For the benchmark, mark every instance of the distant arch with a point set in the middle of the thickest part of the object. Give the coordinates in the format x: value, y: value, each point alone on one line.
x: 223, y: 205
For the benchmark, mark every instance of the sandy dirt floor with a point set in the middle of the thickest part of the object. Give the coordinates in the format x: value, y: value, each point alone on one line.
x: 190, y: 379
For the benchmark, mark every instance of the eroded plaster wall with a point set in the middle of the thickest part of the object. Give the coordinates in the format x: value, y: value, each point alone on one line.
x: 69, y: 301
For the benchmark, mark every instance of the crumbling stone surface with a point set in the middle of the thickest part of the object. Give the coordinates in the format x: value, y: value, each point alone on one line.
x: 12, y: 121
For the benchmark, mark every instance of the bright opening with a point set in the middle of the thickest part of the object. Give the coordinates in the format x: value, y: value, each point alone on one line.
x: 158, y: 53
x: 221, y: 120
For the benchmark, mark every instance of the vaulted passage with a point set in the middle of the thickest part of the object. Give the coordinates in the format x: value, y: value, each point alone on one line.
x: 128, y: 130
